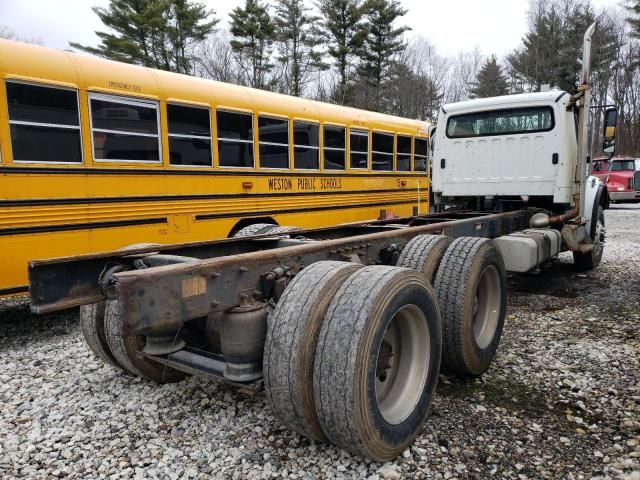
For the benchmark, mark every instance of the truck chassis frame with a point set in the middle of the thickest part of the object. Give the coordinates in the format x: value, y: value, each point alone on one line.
x: 204, y: 308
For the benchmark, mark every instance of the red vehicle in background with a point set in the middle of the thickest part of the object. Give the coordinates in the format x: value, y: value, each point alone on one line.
x: 621, y: 178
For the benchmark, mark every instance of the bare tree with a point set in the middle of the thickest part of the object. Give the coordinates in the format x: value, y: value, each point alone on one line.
x: 217, y: 60
x: 10, y: 34
x: 463, y: 72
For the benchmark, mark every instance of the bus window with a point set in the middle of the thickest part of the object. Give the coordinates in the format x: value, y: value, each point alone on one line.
x: 420, y: 155
x: 306, y: 145
x: 235, y: 139
x: 189, y: 135
x: 382, y: 152
x: 359, y: 146
x: 44, y: 123
x: 124, y: 130
x: 404, y: 154
x: 273, y: 139
x: 334, y: 147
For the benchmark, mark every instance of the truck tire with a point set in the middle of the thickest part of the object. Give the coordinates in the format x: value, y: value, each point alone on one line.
x: 592, y: 258
x: 254, y: 229
x: 290, y: 346
x: 92, y: 327
x: 423, y: 254
x: 377, y: 361
x: 471, y: 287
x: 126, y: 350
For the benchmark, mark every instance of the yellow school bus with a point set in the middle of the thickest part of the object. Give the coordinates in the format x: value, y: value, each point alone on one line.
x: 97, y: 155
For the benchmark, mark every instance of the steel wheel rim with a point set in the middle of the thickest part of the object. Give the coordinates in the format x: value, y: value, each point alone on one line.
x: 402, y: 364
x: 599, y: 237
x: 486, y: 309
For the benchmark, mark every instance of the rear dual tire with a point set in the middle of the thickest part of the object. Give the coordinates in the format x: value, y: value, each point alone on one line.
x: 377, y: 361
x: 471, y: 288
x: 352, y: 356
x: 290, y: 347
x: 424, y: 254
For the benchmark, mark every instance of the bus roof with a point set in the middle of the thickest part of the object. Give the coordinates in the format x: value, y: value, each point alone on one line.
x: 22, y: 61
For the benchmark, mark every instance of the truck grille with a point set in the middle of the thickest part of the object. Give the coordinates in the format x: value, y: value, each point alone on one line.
x: 637, y: 180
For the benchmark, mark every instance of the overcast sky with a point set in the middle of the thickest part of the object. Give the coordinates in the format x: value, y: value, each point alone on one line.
x: 495, y: 26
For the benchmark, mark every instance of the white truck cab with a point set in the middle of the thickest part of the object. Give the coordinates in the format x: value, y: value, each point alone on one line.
x: 527, y: 151
x: 510, y: 146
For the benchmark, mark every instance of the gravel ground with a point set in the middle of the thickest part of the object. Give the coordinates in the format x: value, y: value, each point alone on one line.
x: 562, y: 399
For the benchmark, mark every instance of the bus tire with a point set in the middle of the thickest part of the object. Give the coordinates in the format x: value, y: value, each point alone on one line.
x: 92, y: 327
x: 254, y: 229
x: 283, y: 229
x: 471, y: 286
x: 592, y: 258
x: 290, y: 346
x: 126, y: 350
x: 424, y: 253
x: 377, y: 361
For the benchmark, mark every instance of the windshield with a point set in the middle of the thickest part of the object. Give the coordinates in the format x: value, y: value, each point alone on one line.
x: 620, y: 165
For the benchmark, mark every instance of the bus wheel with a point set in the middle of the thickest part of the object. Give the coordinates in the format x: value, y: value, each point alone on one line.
x: 126, y: 350
x: 377, y: 361
x: 471, y: 287
x: 92, y: 327
x: 263, y: 229
x: 424, y: 253
x: 283, y: 229
x: 591, y: 259
x: 290, y: 346
x: 254, y: 229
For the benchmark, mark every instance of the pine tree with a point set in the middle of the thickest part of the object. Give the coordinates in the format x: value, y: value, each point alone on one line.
x: 552, y: 48
x: 344, y: 33
x: 186, y: 32
x: 380, y: 48
x: 412, y: 94
x: 299, y: 41
x: 155, y: 33
x: 254, y: 33
x: 539, y: 60
x: 490, y: 82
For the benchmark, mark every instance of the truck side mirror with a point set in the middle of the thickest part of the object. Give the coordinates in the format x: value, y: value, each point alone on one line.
x: 610, y: 122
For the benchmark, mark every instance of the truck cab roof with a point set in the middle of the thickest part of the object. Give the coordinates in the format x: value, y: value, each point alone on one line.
x: 506, y: 101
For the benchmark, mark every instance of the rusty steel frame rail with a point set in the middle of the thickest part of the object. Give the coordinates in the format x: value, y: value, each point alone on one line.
x: 158, y: 301
x: 61, y: 283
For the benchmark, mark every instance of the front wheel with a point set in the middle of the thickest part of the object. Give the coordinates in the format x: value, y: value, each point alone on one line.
x: 592, y: 258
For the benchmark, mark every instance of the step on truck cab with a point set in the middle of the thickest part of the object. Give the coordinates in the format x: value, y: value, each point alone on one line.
x: 346, y: 327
